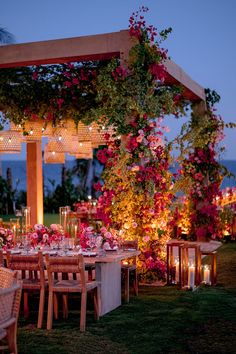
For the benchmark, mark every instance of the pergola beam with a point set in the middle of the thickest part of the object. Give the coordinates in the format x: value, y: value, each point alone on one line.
x: 94, y: 47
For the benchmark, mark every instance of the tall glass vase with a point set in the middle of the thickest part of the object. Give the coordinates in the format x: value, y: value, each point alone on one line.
x: 26, y: 213
x: 64, y: 217
x: 15, y: 228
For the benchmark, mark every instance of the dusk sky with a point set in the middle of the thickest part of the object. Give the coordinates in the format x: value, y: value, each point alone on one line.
x: 202, y: 41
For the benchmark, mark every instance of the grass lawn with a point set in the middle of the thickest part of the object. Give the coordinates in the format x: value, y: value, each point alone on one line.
x: 48, y: 218
x: 159, y: 320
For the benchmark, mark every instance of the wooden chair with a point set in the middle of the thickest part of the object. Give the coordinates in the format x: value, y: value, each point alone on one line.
x: 10, y: 298
x: 70, y: 266
x: 31, y: 270
x: 130, y: 266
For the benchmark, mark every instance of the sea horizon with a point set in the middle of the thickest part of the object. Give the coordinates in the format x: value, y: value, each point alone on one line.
x: 52, y: 173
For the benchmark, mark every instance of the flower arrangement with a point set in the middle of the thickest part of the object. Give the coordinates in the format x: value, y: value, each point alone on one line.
x: 6, y: 238
x: 43, y: 236
x: 99, y: 237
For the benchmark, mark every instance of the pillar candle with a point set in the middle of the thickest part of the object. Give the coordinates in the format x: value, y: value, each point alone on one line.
x: 191, y: 276
x: 206, y: 275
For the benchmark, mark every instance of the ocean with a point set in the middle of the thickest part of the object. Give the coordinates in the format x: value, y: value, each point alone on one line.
x: 52, y: 172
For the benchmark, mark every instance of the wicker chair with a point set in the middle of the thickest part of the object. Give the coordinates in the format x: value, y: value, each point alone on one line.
x: 71, y: 266
x: 31, y: 270
x: 130, y: 266
x: 1, y: 259
x: 7, y: 277
x: 9, y: 311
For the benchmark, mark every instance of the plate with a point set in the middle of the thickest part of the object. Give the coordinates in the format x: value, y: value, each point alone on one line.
x: 89, y: 254
x: 15, y: 251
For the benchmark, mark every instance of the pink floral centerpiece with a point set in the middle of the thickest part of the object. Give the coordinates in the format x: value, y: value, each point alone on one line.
x: 42, y: 235
x: 90, y: 237
x: 6, y: 238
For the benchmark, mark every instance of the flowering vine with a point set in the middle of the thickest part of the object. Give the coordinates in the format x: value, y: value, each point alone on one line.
x: 203, y: 172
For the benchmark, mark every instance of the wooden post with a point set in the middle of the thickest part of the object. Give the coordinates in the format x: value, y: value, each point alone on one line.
x: 34, y: 172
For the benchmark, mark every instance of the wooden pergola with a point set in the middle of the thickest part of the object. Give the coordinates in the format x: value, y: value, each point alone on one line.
x: 86, y: 48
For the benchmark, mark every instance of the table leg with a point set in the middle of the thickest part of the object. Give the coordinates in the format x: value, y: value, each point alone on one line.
x: 109, y: 277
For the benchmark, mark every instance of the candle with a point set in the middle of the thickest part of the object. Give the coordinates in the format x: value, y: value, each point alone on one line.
x: 191, y: 276
x: 176, y: 271
x: 206, y: 275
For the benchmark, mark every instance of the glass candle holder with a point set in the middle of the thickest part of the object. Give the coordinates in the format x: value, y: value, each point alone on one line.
x: 26, y: 213
x: 64, y: 215
x: 206, y: 274
x: 15, y: 227
x: 191, y: 276
x: 73, y: 227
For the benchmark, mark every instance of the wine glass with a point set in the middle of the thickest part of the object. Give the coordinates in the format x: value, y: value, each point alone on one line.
x: 92, y: 242
x: 26, y: 244
x: 19, y: 241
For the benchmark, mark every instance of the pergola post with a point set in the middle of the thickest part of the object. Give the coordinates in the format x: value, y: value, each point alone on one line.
x: 34, y: 173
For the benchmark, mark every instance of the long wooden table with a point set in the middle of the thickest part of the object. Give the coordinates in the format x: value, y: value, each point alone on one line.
x: 108, y: 274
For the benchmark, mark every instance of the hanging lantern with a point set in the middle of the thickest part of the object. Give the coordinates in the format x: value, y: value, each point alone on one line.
x: 10, y: 142
x: 97, y: 134
x: 83, y: 132
x: 82, y: 150
x: 63, y: 144
x: 47, y: 129
x: 33, y: 130
x: 53, y: 156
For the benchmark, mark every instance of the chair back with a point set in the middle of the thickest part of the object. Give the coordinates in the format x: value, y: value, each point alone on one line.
x: 30, y: 266
x: 7, y: 277
x: 7, y: 297
x: 1, y: 259
x: 130, y: 244
x: 65, y: 265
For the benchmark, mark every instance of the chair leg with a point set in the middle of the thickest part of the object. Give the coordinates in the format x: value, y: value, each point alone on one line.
x: 65, y: 306
x: 50, y: 310
x: 55, y: 306
x: 90, y: 274
x: 26, y: 304
x: 95, y: 303
x: 126, y: 271
x: 135, y: 285
x: 11, y: 337
x: 83, y: 311
x: 41, y: 308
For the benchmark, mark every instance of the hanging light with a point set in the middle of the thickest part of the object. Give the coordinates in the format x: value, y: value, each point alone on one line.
x: 65, y: 144
x: 97, y: 134
x: 53, y: 156
x: 10, y: 142
x: 33, y: 130
x: 83, y: 150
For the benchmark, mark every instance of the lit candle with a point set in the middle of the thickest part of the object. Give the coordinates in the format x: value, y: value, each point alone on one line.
x: 206, y: 275
x: 191, y: 276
